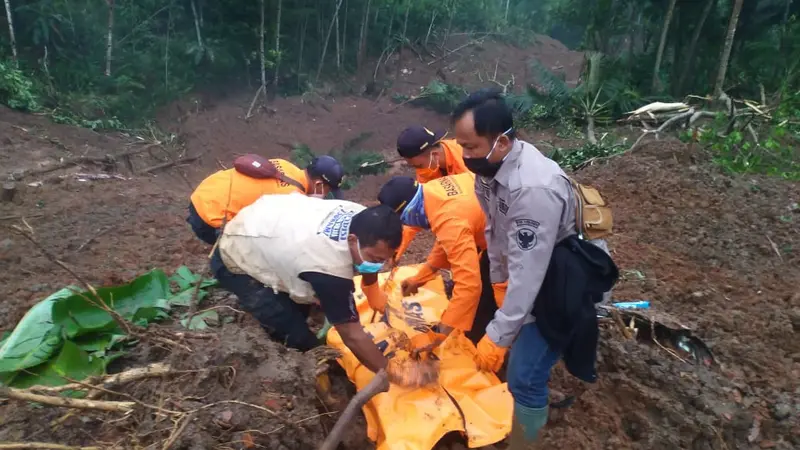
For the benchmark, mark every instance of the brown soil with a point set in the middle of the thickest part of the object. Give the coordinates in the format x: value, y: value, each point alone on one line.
x: 717, y: 252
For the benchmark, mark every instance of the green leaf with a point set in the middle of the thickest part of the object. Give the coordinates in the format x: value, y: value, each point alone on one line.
x: 201, y: 321
x: 184, y: 278
x: 79, y: 316
x: 35, y: 338
x: 71, y: 362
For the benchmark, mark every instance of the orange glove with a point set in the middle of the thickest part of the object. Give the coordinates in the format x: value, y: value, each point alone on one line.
x: 375, y: 296
x: 499, y: 290
x: 490, y: 356
x: 427, y: 341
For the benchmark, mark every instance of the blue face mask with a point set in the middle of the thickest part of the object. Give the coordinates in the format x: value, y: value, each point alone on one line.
x: 366, y: 266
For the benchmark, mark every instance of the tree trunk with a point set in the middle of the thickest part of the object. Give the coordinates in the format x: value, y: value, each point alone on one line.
x: 362, y: 39
x: 11, y: 32
x: 656, y: 84
x: 430, y: 27
x: 338, y: 45
x: 726, y: 50
x: 344, y: 31
x: 197, y: 27
x: 277, y: 46
x: 402, y: 42
x: 261, y: 56
x: 327, y: 39
x: 110, y: 38
x: 303, y: 32
x: 166, y: 49
x: 689, y: 57
x: 506, y: 15
x: 452, y: 12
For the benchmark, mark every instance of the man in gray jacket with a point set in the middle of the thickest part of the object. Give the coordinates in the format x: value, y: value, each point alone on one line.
x: 530, y: 207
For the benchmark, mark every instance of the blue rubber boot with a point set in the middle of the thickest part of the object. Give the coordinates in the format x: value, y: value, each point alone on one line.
x: 526, y: 425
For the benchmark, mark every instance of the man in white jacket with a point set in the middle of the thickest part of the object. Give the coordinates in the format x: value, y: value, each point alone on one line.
x: 284, y: 253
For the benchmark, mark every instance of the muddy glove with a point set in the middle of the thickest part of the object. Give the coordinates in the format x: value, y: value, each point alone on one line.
x: 490, y: 356
x: 407, y: 372
x: 425, y: 342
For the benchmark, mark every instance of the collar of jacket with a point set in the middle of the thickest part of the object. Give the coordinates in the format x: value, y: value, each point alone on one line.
x: 510, y: 163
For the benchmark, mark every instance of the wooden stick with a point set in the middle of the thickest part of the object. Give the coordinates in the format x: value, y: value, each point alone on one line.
x: 379, y: 383
x: 169, y: 164
x: 43, y: 445
x: 139, y: 373
x: 17, y: 394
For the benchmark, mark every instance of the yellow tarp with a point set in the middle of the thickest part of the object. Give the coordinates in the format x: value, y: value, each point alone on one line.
x: 466, y: 400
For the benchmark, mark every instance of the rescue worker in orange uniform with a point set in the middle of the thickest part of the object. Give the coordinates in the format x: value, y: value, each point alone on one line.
x: 432, y: 157
x: 449, y: 208
x: 223, y: 194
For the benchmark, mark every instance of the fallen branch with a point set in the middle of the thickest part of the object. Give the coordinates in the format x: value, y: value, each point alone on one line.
x: 663, y: 127
x: 66, y: 402
x: 253, y: 103
x: 379, y: 383
x: 43, y: 445
x: 91, y: 239
x: 20, y: 216
x: 180, y: 426
x: 169, y: 164
x: 106, y: 160
x: 151, y: 371
x: 450, y: 52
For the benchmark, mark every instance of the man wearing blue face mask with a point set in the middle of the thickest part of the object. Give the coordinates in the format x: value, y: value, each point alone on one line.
x: 284, y: 253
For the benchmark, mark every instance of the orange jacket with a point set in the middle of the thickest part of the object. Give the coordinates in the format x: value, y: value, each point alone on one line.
x: 454, y: 165
x: 224, y: 193
x: 458, y: 223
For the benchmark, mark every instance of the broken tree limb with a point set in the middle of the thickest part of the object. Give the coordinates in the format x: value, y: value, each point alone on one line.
x: 109, y: 381
x: 664, y: 126
x: 379, y: 383
x: 107, y: 160
x: 168, y: 164
x: 21, y: 395
x: 42, y: 445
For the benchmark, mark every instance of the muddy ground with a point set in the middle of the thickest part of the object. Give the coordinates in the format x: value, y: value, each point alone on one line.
x: 720, y: 253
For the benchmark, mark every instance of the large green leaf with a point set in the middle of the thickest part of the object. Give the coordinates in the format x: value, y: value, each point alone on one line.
x: 72, y: 363
x: 35, y: 338
x: 137, y: 301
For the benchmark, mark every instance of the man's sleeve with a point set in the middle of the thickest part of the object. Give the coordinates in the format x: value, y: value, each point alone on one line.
x: 534, y: 216
x: 408, y: 236
x: 458, y: 243
x: 335, y: 296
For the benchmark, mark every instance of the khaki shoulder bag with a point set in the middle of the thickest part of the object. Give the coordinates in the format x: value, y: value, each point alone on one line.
x: 593, y: 219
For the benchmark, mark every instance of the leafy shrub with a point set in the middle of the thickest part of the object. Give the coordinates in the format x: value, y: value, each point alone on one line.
x: 16, y: 89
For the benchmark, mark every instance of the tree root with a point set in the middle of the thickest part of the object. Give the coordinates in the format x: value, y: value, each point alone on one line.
x: 109, y: 381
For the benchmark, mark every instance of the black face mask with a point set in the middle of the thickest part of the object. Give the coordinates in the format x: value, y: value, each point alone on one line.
x: 482, y: 166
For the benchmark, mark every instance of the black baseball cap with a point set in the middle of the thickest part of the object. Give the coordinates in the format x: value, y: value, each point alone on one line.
x: 416, y: 139
x: 398, y: 192
x: 330, y: 171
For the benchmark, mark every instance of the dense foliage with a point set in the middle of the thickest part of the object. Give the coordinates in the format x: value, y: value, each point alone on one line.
x: 103, y: 63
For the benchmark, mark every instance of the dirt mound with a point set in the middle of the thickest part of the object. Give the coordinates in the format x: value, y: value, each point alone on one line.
x: 475, y: 63
x: 697, y: 244
x: 237, y: 387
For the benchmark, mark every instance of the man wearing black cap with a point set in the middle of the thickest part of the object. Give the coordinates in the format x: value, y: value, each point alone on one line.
x: 449, y: 208
x: 432, y: 157
x: 223, y: 194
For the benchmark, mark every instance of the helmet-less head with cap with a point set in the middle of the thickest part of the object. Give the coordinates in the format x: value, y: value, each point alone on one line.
x: 421, y: 148
x: 325, y: 175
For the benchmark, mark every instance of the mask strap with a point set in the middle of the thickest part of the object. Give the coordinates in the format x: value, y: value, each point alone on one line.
x: 495, y: 144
